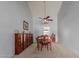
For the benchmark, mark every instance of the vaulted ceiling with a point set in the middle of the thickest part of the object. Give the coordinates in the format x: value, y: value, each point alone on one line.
x: 37, y: 8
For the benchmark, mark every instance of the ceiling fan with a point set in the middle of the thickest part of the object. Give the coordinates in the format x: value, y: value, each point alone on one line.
x: 46, y: 18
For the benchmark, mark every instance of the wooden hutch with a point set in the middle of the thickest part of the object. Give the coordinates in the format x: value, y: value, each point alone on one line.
x: 22, y: 41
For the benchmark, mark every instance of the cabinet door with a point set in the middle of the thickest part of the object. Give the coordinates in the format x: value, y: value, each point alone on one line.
x: 30, y: 39
x: 18, y: 47
x: 25, y: 41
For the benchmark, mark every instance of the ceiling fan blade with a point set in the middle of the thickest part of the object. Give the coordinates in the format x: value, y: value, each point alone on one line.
x: 46, y: 17
x: 40, y: 18
x: 50, y: 19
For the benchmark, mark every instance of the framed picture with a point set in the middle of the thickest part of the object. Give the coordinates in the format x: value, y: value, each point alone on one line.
x: 25, y: 25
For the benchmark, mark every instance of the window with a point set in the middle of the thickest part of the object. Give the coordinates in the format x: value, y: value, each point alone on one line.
x: 46, y: 30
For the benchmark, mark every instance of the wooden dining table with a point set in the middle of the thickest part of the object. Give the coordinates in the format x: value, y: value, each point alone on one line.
x: 44, y: 40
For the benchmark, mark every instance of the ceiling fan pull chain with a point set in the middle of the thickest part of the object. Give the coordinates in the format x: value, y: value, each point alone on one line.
x: 44, y: 8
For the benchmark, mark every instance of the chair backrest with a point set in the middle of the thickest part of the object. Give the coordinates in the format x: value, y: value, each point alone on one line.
x: 41, y: 38
x: 53, y: 37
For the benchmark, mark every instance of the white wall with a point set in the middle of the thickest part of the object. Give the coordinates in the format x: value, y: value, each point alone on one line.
x: 68, y: 25
x: 12, y: 15
x: 37, y: 9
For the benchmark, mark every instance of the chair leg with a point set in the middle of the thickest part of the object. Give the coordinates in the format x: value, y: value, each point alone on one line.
x: 53, y: 47
x: 41, y: 47
x: 47, y: 47
x: 38, y: 46
x: 50, y: 46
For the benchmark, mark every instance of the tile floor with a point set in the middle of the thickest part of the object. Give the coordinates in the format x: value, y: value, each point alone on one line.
x: 58, y: 52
